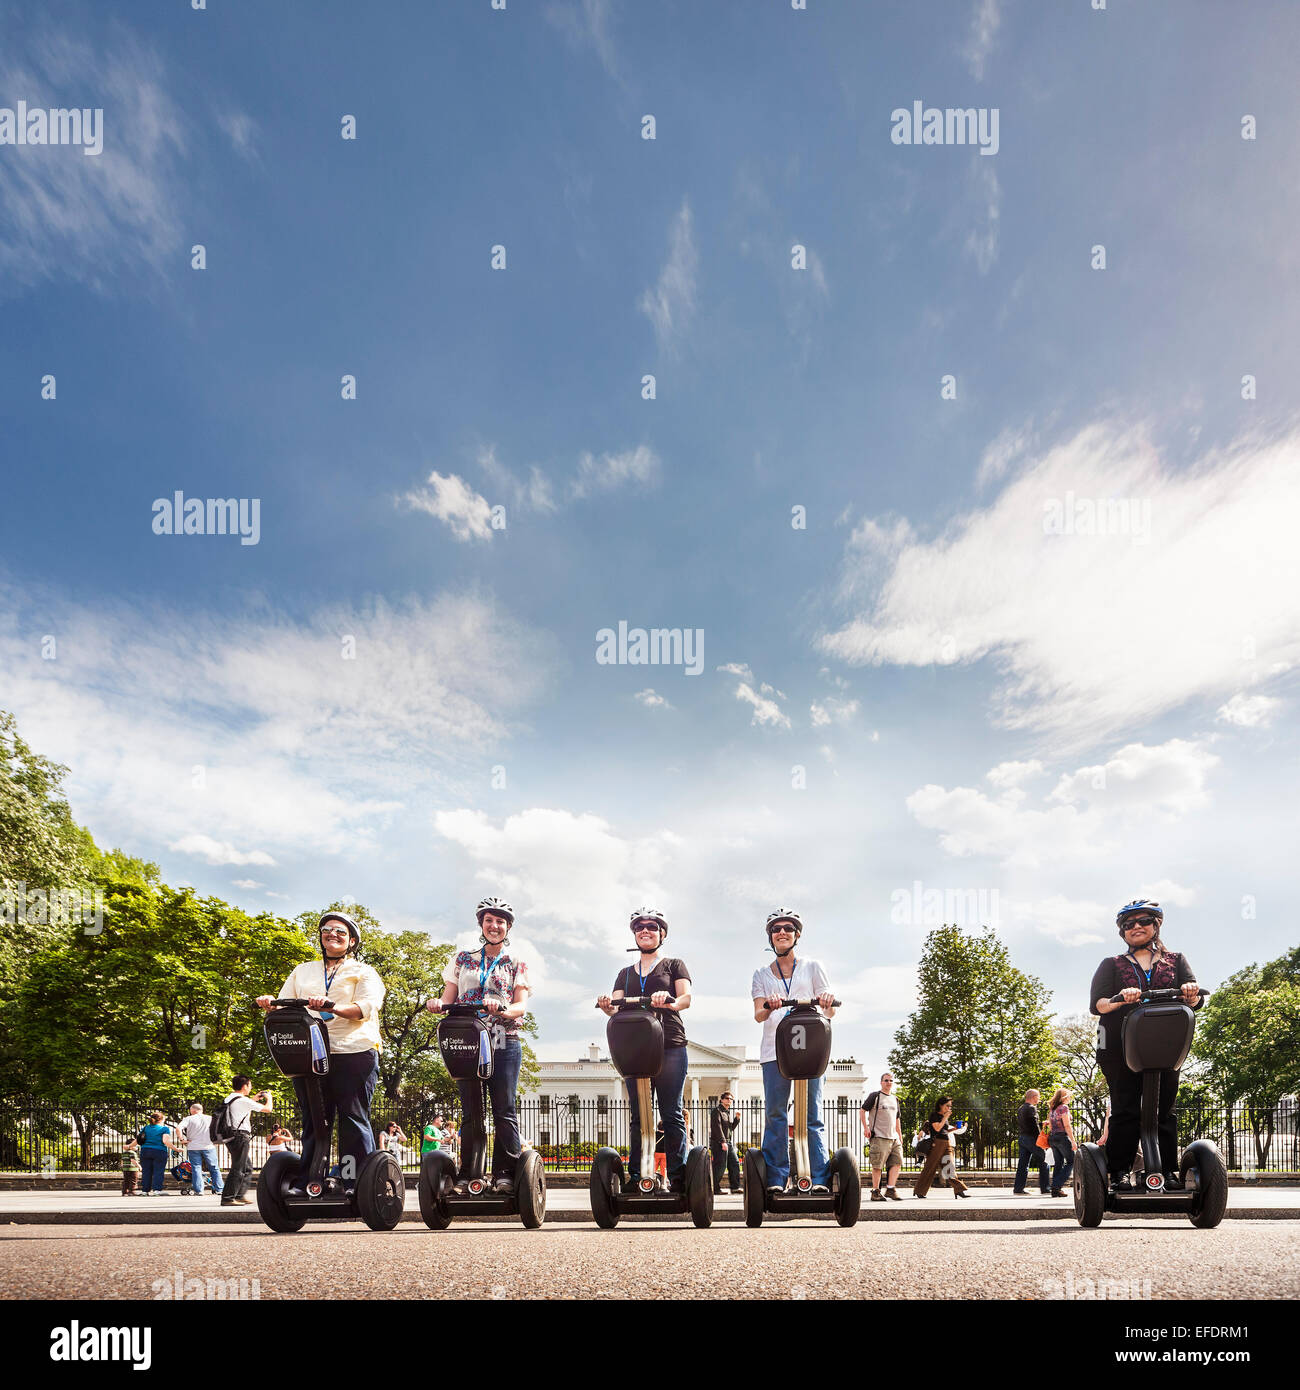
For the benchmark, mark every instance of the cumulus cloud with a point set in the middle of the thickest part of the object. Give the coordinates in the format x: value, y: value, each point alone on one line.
x: 1070, y: 619
x: 452, y: 501
x: 218, y: 851
x: 1081, y: 818
x: 651, y: 700
x: 1249, y: 711
x: 260, y: 734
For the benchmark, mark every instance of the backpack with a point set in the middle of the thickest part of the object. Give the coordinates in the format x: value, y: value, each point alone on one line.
x: 221, y: 1127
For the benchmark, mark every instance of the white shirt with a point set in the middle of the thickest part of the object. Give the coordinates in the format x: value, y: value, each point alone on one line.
x: 241, y: 1107
x: 809, y: 980
x: 354, y: 983
x: 194, y: 1130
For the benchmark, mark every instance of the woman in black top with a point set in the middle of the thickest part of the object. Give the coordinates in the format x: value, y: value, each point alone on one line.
x: 940, y: 1146
x: 1144, y: 964
x: 668, y: 983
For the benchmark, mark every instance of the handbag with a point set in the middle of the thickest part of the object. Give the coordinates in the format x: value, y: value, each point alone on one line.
x: 1043, y: 1142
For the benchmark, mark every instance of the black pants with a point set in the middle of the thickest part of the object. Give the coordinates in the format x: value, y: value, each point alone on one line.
x: 731, y: 1163
x: 1126, y: 1115
x: 240, y: 1167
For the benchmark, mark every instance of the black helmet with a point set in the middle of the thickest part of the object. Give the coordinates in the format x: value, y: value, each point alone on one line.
x: 650, y: 914
x: 354, y: 931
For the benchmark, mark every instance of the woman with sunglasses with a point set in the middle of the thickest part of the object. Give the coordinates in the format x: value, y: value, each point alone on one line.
x: 668, y: 983
x: 788, y: 977
x: 1144, y: 964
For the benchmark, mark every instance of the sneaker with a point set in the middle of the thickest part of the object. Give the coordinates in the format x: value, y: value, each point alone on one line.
x: 1019, y: 1192
x: 504, y: 1184
x: 877, y: 1195
x: 227, y: 1201
x: 892, y: 1194
x: 776, y: 1189
x: 241, y: 1201
x: 819, y: 1189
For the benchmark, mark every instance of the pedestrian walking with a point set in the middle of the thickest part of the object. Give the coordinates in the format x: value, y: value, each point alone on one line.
x: 196, y: 1134
x: 155, y: 1139
x: 1030, y: 1151
x: 939, y: 1124
x: 130, y: 1167
x: 722, y: 1143
x: 1061, y: 1138
x: 883, y: 1128
x: 237, y: 1135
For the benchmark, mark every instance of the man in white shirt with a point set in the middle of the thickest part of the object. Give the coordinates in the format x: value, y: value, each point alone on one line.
x: 196, y: 1134
x: 884, y: 1132
x: 241, y: 1105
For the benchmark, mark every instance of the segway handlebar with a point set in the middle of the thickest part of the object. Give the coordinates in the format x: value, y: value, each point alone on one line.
x: 463, y: 1009
x: 790, y: 1003
x: 1159, y: 996
x: 635, y: 999
x: 304, y: 1003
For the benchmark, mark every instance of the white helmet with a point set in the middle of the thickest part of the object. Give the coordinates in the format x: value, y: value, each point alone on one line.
x: 650, y: 914
x: 498, y: 907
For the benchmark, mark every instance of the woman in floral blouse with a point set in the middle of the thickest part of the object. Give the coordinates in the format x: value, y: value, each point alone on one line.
x: 491, y: 976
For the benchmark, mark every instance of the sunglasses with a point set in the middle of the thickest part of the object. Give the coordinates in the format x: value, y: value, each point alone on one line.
x: 335, y: 931
x: 1140, y: 922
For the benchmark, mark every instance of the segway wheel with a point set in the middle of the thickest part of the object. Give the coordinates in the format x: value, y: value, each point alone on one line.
x: 606, y: 1182
x: 699, y: 1186
x: 381, y: 1190
x: 755, y: 1185
x: 1203, y: 1167
x: 277, y: 1173
x: 437, y: 1173
x: 848, y: 1187
x: 1090, y: 1185
x: 530, y: 1189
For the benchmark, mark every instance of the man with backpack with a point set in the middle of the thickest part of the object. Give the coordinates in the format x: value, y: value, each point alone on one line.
x: 883, y: 1130
x: 230, y: 1126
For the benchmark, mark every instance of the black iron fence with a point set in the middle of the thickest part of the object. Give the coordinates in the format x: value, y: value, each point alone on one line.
x: 38, y: 1135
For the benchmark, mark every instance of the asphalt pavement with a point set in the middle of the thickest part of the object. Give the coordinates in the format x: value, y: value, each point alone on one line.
x: 1156, y: 1259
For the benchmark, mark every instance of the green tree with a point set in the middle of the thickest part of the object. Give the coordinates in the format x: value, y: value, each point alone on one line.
x: 1075, y: 1039
x: 158, y: 1005
x: 980, y: 1032
x: 1248, y: 1042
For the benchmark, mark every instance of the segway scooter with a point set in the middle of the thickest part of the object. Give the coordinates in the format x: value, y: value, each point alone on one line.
x: 287, y: 1198
x: 636, y: 1047
x: 803, y: 1052
x: 465, y: 1041
x: 1156, y: 1036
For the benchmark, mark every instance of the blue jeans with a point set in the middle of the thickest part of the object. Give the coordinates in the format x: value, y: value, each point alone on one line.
x: 204, y: 1161
x: 1028, y: 1148
x: 776, y: 1135
x: 347, y: 1087
x: 502, y: 1088
x: 153, y: 1165
x: 667, y: 1088
x: 1063, y: 1153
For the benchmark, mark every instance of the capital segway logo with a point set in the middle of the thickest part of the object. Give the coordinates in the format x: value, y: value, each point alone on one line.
x: 465, y: 1045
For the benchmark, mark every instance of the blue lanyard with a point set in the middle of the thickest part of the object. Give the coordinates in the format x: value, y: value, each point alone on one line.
x: 785, y: 984
x: 329, y: 980
x: 641, y: 977
x: 484, y: 970
x: 1136, y: 966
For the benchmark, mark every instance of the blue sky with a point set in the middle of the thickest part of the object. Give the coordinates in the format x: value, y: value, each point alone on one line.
x: 978, y: 703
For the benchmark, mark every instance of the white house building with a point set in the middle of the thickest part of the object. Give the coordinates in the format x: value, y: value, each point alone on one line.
x: 588, y: 1097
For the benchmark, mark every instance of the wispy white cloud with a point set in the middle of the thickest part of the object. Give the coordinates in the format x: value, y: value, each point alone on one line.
x: 832, y: 711
x: 985, y: 204
x: 1072, y: 620
x: 639, y: 467
x: 985, y: 23
x: 586, y: 24
x: 218, y: 851
x: 64, y: 215
x: 1249, y: 711
x: 651, y: 700
x: 670, y: 305
x: 242, y: 131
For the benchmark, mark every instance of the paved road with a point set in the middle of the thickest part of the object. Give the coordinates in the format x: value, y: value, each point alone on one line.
x: 919, y: 1260
x: 573, y: 1203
